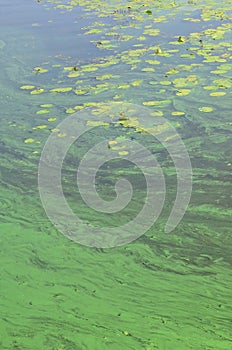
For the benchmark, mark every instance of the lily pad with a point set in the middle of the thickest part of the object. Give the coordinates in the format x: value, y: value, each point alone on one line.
x: 43, y: 111
x: 27, y: 87
x: 66, y: 89
x: 205, y: 109
x: 37, y: 91
x: 218, y: 93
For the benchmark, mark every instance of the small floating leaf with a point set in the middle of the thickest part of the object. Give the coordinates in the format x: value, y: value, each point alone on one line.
x: 178, y: 113
x: 36, y: 92
x: 78, y: 107
x: 205, y: 109
x: 160, y: 103
x: 70, y: 110
x: 218, y: 93
x: 93, y: 31
x: 210, y: 87
x: 123, y: 86
x: 62, y: 134
x: 151, y: 32
x: 183, y: 92
x: 68, y: 68
x: 73, y: 74
x: 165, y: 82
x: 29, y: 140
x: 112, y: 142
x: 148, y: 69
x: 46, y: 105
x: 43, y: 111
x: 80, y: 92
x: 96, y: 123
x: 123, y: 153
x: 136, y: 82
x: 172, y: 71
x: 61, y: 89
x: 40, y: 127
x: 89, y: 68
x: 27, y: 87
x: 40, y: 70
x: 153, y: 61
x: 149, y: 103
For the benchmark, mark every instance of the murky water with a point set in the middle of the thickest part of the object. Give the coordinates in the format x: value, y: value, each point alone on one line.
x: 163, y: 290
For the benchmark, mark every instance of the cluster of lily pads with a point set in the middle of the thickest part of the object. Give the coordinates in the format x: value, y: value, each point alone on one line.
x: 174, y: 76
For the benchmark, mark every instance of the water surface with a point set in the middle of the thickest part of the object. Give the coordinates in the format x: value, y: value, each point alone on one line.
x: 162, y: 291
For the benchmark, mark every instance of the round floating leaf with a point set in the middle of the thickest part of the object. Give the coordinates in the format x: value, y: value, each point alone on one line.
x: 218, y: 93
x: 205, y: 109
x: 112, y: 142
x: 151, y: 32
x: 46, y: 105
x: 77, y: 108
x: 123, y: 153
x: 67, y: 89
x: 153, y: 61
x: 210, y: 87
x: 123, y: 86
x: 148, y: 69
x: 149, y: 103
x: 43, y: 111
x: 40, y: 127
x: 89, y: 68
x: 178, y: 113
x: 40, y: 70
x: 165, y: 82
x: 37, y: 91
x: 73, y: 74
x: 29, y: 140
x: 62, y: 134
x: 68, y: 68
x: 70, y: 110
x: 80, y: 92
x: 172, y: 71
x: 27, y: 87
x: 136, y: 82
x: 183, y: 92
x: 218, y: 71
x: 97, y: 123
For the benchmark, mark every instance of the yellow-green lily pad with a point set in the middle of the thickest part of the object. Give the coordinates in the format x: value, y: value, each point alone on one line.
x: 183, y: 92
x: 205, y: 109
x: 37, y: 91
x: 178, y: 113
x: 30, y: 140
x: 66, y: 89
x: 46, y: 105
x: 218, y: 93
x: 27, y: 87
x: 43, y: 111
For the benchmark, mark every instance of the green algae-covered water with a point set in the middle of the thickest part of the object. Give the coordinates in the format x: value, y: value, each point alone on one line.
x: 171, y: 60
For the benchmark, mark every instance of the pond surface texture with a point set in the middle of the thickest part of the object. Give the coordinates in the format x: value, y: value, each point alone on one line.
x: 166, y: 291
